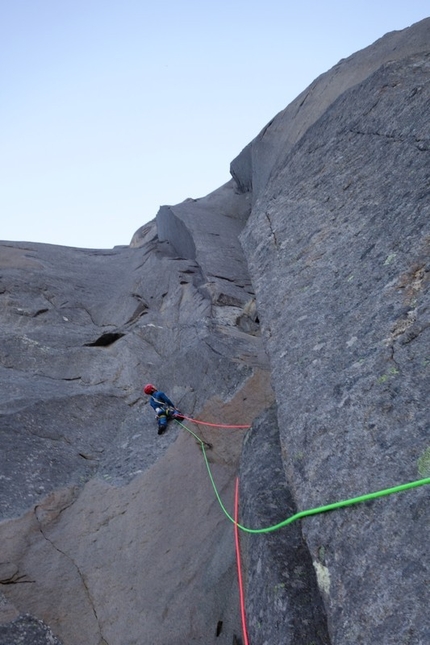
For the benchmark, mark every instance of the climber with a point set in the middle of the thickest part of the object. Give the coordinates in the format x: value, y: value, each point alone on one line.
x: 163, y: 406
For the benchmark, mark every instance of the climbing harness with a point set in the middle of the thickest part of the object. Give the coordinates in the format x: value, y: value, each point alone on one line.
x: 311, y: 511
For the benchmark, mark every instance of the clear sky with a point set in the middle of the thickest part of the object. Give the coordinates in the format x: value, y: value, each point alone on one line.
x: 111, y: 108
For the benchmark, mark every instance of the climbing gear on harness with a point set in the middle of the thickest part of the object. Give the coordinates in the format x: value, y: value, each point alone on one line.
x: 149, y: 388
x: 170, y: 413
x: 164, y: 415
x: 162, y: 419
x: 175, y: 414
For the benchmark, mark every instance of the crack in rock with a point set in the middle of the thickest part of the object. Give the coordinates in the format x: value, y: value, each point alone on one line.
x: 80, y: 574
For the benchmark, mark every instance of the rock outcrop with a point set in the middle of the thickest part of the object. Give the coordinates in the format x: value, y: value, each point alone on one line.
x: 295, y: 299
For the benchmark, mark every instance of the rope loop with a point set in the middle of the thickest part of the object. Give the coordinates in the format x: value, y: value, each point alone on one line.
x: 311, y: 511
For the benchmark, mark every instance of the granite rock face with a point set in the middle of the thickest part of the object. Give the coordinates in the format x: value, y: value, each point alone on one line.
x: 293, y: 298
x: 338, y: 246
x: 102, y: 532
x: 284, y: 603
x: 27, y: 630
x: 263, y: 156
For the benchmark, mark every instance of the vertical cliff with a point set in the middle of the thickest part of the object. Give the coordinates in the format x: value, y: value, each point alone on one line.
x: 338, y: 246
x: 294, y: 299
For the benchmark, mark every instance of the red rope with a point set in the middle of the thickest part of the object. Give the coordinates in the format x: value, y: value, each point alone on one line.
x: 214, y: 425
x: 239, y: 567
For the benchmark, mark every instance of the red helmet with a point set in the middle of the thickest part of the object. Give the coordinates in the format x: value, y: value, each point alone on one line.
x: 149, y: 388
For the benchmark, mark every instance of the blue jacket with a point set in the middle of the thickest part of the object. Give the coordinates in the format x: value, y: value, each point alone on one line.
x: 160, y: 400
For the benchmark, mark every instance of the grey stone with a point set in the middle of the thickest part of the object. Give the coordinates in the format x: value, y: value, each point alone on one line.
x: 283, y: 602
x: 192, y: 228
x: 27, y: 630
x: 340, y: 263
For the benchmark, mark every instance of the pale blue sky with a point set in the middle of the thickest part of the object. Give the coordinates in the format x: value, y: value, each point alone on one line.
x: 111, y: 108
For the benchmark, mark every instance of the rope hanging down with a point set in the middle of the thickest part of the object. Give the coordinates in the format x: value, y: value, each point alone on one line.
x: 311, y: 511
x: 239, y: 565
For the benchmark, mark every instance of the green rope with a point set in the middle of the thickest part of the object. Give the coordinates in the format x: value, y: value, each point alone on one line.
x: 310, y: 511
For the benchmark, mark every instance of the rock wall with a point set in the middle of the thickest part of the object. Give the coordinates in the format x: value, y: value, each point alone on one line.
x: 295, y: 298
x: 284, y: 603
x: 338, y: 250
x: 109, y: 532
x: 264, y: 155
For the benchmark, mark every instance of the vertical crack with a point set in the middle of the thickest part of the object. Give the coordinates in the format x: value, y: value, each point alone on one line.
x: 274, y: 238
x: 80, y: 574
x: 288, y: 603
